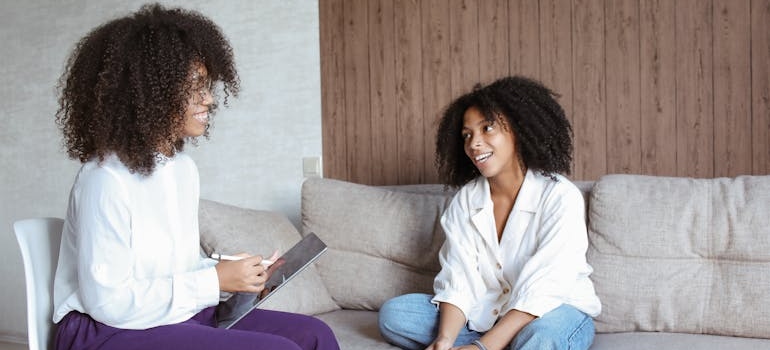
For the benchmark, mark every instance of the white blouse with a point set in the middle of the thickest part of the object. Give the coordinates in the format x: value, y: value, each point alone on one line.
x: 130, y: 255
x: 538, y: 264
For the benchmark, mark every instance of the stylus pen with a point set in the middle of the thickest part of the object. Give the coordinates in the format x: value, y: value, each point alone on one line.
x: 217, y: 256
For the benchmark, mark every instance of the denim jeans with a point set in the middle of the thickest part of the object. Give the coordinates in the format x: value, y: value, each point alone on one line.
x: 411, y: 322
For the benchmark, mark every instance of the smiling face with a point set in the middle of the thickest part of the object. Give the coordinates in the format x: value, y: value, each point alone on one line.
x: 196, y: 115
x: 490, y: 145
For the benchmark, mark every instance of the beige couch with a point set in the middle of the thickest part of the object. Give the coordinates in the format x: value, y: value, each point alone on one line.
x: 679, y: 263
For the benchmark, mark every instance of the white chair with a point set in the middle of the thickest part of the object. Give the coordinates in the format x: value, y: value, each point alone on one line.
x: 39, y: 240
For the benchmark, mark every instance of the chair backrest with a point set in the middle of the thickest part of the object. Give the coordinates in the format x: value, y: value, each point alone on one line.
x: 39, y: 240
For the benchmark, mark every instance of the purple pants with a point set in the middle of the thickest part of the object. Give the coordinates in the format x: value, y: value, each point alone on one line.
x: 259, y: 330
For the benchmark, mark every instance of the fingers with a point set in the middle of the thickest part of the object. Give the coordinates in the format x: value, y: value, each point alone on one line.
x: 245, y: 275
x: 275, y: 255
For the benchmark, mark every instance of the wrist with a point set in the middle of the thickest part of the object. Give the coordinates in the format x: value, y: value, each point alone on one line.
x: 479, y: 344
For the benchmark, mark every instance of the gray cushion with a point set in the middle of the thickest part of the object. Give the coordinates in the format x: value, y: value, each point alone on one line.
x: 674, y: 341
x: 682, y: 255
x: 230, y: 230
x: 356, y: 330
x: 382, y: 242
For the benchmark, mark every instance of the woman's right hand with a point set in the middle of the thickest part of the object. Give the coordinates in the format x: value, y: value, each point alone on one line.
x: 245, y: 275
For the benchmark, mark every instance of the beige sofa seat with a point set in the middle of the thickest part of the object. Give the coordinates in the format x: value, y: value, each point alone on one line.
x: 670, y: 256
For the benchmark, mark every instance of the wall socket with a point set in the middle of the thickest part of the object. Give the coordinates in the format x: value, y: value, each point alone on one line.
x: 311, y: 167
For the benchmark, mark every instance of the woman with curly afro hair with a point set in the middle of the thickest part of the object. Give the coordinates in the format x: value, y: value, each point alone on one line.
x: 130, y: 276
x: 513, y: 268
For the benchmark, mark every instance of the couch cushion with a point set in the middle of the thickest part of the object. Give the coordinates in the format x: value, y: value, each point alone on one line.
x: 383, y: 242
x: 675, y: 341
x: 356, y: 329
x: 681, y: 254
x: 230, y: 230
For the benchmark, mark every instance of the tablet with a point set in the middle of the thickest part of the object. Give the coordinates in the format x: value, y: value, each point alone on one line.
x: 299, y: 257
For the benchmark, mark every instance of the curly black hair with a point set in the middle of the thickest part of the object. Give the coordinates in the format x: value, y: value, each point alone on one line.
x: 126, y: 84
x: 543, y: 133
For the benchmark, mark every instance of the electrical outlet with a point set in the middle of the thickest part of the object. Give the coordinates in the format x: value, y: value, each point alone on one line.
x: 311, y: 166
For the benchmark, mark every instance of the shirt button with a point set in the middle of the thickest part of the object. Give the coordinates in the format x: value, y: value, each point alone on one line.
x: 499, y: 266
x: 506, y: 290
x: 495, y: 312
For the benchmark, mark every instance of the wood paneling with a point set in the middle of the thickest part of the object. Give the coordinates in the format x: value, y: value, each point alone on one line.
x: 589, y: 94
x: 333, y: 134
x: 650, y: 86
x: 622, y: 55
x: 409, y: 98
x: 760, y: 86
x: 493, y: 40
x: 732, y: 88
x: 524, y: 37
x: 555, y: 51
x: 464, y: 44
x: 657, y: 56
x: 382, y: 92
x: 357, y: 107
x: 694, y: 88
x: 435, y: 77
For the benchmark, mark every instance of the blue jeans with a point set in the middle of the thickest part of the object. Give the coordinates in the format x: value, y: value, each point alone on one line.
x: 411, y: 322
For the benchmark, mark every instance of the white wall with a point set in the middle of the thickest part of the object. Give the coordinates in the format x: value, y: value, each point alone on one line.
x: 254, y: 157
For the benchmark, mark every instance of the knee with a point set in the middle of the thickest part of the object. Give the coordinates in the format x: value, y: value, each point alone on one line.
x: 546, y: 334
x: 393, y: 312
x: 388, y: 317
x: 536, y: 336
x: 315, y: 334
x: 529, y: 338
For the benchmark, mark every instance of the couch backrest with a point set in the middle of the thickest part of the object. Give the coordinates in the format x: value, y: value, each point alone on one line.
x: 681, y: 254
x: 383, y: 242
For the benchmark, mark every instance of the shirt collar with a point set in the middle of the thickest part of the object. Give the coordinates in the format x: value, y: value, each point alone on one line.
x: 527, y: 199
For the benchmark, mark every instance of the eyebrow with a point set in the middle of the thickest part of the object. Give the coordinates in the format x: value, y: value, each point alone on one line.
x: 482, y: 122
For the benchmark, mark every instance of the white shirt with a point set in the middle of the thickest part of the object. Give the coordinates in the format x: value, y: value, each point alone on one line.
x: 538, y: 265
x: 130, y: 255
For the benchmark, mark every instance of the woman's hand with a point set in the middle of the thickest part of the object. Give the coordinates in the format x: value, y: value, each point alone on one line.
x: 441, y: 343
x: 245, y: 275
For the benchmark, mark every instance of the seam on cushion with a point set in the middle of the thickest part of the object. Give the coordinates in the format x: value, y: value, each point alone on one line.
x: 392, y: 259
x: 416, y: 269
x: 753, y: 261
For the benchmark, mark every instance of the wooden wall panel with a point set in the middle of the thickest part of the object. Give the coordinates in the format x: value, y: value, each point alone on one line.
x: 493, y: 40
x: 356, y: 69
x: 333, y: 120
x: 732, y: 88
x: 409, y: 99
x: 589, y: 101
x: 760, y: 86
x: 555, y: 33
x: 464, y: 44
x: 650, y: 86
x: 657, y: 87
x: 623, y: 109
x: 694, y: 72
x: 524, y: 37
x: 436, y: 82
x: 382, y: 92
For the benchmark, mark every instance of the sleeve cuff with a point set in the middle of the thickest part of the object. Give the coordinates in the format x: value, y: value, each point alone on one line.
x: 209, y: 291
x: 456, y: 300
x: 536, y: 306
x: 205, y: 287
